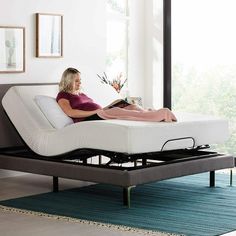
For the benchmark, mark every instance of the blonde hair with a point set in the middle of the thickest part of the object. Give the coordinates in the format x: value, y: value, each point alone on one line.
x: 67, y: 79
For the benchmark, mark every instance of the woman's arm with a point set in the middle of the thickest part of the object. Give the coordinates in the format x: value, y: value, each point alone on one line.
x: 74, y: 113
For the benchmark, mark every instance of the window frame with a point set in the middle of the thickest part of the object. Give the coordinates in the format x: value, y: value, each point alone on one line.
x: 167, y: 53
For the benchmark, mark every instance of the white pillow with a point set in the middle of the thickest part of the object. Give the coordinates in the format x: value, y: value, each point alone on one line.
x: 52, y: 111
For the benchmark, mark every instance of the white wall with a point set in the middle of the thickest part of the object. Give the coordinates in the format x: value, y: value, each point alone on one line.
x: 84, y: 38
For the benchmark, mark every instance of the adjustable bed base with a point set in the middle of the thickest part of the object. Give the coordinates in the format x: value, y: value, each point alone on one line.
x: 122, y: 153
x: 140, y: 169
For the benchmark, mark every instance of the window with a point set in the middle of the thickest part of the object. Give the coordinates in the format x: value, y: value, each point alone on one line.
x: 117, y: 37
x: 204, y: 60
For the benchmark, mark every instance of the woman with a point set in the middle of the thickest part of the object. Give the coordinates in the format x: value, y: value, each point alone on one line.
x: 80, y: 107
x: 76, y: 105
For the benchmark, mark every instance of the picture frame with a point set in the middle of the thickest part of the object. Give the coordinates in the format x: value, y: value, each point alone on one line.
x: 12, y: 49
x: 49, y: 35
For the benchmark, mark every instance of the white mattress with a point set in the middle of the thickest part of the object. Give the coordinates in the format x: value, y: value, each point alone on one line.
x: 113, y: 135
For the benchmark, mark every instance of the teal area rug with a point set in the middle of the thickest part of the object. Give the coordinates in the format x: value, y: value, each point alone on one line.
x: 183, y: 205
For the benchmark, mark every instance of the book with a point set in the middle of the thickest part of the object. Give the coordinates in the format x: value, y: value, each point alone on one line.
x: 117, y: 103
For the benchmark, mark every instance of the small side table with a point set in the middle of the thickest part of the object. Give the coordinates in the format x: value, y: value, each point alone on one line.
x: 135, y: 100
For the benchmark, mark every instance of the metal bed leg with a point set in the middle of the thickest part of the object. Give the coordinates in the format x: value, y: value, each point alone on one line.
x: 99, y: 159
x: 231, y: 177
x: 212, y: 178
x: 144, y: 161
x: 55, y: 184
x: 126, y: 196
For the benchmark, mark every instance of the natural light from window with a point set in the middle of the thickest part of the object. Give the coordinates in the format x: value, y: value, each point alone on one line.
x: 117, y: 36
x: 204, y: 60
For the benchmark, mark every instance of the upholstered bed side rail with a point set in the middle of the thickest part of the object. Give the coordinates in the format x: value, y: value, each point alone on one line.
x: 65, y: 170
x: 113, y: 176
x: 146, y: 175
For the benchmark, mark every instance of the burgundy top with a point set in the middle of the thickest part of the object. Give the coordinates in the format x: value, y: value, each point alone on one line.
x: 79, y: 102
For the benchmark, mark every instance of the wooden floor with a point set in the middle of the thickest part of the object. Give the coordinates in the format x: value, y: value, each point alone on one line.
x: 18, y: 224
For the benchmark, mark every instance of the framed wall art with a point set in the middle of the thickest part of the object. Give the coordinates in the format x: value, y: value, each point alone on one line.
x: 12, y: 49
x: 49, y: 35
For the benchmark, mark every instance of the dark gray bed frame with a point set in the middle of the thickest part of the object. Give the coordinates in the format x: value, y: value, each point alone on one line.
x: 15, y: 155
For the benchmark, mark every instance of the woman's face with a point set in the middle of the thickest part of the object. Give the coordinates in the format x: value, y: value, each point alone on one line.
x: 77, y: 82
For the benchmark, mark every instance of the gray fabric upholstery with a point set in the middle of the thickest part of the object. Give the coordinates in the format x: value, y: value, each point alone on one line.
x: 180, y: 169
x: 8, y: 135
x: 122, y: 178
